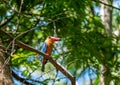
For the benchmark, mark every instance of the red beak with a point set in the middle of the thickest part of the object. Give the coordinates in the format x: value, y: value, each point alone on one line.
x: 54, y: 39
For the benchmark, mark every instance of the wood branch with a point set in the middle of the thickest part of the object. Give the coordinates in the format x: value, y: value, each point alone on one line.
x: 6, y: 21
x: 106, y: 4
x: 92, y: 8
x: 19, y: 14
x: 24, y: 80
x: 20, y: 79
x: 27, y: 47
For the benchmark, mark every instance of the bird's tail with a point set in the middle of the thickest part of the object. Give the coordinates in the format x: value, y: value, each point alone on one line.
x: 43, y: 67
x: 43, y: 64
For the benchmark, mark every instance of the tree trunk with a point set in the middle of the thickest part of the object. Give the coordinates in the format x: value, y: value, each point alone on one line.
x: 105, y: 75
x: 5, y: 73
x: 106, y: 17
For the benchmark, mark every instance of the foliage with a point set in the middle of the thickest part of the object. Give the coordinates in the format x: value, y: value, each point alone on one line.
x: 84, y: 42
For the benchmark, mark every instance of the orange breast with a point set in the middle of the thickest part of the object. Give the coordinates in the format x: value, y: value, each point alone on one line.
x: 49, y: 50
x: 49, y: 47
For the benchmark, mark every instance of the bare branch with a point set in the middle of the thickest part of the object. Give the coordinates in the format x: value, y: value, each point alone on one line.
x: 6, y: 21
x: 20, y: 79
x: 19, y: 13
x: 106, y: 4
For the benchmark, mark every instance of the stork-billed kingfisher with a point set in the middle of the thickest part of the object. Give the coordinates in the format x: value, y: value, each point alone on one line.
x: 47, y: 49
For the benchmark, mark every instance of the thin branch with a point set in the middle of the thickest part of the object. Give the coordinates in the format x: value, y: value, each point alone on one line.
x: 92, y: 8
x: 24, y: 80
x: 34, y: 27
x: 55, y: 78
x: 20, y: 79
x: 7, y: 5
x: 12, y: 52
x: 6, y: 21
x: 19, y: 13
x: 106, y: 4
x: 27, y: 47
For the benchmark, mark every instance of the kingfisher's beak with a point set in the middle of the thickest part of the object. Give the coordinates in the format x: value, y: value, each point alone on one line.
x: 59, y: 39
x: 54, y: 39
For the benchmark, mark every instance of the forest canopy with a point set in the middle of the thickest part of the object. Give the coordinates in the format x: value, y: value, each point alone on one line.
x: 89, y: 32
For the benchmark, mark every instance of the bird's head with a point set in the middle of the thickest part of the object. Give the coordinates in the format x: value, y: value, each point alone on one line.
x: 53, y: 39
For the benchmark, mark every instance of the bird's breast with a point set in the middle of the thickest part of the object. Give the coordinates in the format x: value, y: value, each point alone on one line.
x: 49, y: 50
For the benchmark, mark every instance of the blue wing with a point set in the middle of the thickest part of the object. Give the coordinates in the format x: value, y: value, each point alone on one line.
x: 44, y: 48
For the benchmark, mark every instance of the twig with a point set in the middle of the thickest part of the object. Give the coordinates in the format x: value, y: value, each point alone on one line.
x: 28, y: 30
x: 106, y: 4
x: 55, y: 78
x: 5, y: 1
x: 21, y: 79
x: 19, y: 13
x: 12, y: 52
x: 6, y: 21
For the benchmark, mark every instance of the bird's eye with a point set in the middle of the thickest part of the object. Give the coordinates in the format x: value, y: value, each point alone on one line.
x: 49, y: 37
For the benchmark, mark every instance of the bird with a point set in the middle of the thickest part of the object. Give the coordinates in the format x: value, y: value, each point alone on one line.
x: 47, y: 49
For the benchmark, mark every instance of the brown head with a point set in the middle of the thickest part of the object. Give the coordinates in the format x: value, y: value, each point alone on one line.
x: 53, y: 39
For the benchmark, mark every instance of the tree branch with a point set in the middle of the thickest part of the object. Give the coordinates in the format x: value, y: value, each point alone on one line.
x: 27, y: 47
x: 106, y: 4
x: 19, y: 13
x: 20, y: 79
x: 6, y: 21
x: 24, y: 80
